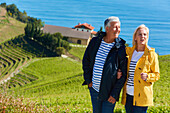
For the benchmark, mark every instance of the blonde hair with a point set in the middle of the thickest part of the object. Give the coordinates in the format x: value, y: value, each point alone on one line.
x: 140, y: 27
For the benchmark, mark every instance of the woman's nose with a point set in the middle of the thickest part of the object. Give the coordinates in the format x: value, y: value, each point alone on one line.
x: 143, y: 35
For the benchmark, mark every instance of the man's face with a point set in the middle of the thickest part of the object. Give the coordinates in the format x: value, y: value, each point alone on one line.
x: 114, y: 29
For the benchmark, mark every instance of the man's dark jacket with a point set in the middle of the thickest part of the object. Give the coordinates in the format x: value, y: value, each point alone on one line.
x: 115, y: 60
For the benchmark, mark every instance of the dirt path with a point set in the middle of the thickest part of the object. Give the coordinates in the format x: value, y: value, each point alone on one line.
x: 73, y: 57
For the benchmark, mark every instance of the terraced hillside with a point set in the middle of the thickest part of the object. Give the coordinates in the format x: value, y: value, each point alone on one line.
x: 56, y: 83
x: 12, y: 58
x: 16, y: 53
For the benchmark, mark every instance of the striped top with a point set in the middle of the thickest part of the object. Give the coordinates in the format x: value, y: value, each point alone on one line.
x: 99, y: 63
x: 130, y: 83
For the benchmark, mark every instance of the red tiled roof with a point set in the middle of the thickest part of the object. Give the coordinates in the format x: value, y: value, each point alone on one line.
x: 86, y: 25
x: 65, y: 31
x: 94, y: 32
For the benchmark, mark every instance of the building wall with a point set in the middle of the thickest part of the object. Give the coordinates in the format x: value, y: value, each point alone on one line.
x: 83, y: 29
x: 75, y: 40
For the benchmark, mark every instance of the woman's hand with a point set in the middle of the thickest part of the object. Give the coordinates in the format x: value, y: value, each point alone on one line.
x: 119, y: 74
x: 144, y: 76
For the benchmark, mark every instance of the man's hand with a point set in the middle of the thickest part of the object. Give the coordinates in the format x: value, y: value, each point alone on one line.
x: 112, y: 100
x: 90, y: 85
x: 119, y: 74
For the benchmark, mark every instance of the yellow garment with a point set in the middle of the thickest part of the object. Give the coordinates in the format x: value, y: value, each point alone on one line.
x: 143, y: 90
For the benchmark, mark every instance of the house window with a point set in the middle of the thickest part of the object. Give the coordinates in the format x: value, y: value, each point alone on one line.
x: 78, y: 41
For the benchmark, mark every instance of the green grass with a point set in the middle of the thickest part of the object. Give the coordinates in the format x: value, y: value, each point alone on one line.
x: 9, y: 28
x: 78, y: 52
x: 161, y: 87
x: 59, y: 86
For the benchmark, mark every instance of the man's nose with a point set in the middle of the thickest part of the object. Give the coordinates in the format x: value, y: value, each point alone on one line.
x: 116, y: 28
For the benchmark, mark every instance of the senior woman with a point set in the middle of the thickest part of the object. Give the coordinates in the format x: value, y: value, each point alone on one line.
x: 143, y: 71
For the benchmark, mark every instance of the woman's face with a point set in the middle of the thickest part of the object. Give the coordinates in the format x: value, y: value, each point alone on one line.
x: 141, y: 37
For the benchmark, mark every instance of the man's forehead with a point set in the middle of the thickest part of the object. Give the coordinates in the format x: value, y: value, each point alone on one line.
x: 114, y: 23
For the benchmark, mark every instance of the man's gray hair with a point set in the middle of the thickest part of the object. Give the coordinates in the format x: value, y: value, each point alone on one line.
x: 110, y: 19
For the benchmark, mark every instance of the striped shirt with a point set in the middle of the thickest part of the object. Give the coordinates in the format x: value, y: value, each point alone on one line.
x: 99, y: 63
x: 130, y: 83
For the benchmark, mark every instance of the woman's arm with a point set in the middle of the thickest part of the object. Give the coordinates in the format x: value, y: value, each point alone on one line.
x: 154, y: 75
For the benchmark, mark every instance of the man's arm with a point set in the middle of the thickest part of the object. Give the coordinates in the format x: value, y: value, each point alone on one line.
x: 86, y: 65
x: 123, y: 67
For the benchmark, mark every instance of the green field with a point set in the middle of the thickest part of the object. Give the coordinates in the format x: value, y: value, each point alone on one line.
x: 9, y: 27
x: 56, y: 82
x: 78, y: 52
x: 59, y: 86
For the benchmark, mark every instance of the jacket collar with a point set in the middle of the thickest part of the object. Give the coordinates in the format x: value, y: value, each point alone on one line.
x: 146, y: 51
x: 118, y: 41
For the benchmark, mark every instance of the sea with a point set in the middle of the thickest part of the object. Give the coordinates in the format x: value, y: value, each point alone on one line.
x: 155, y: 14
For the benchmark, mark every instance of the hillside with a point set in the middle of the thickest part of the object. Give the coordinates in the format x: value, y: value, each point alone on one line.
x: 9, y: 27
x: 56, y: 83
x: 32, y: 72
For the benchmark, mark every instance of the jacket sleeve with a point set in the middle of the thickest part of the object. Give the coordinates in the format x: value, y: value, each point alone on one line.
x: 154, y: 75
x: 120, y: 82
x: 86, y: 65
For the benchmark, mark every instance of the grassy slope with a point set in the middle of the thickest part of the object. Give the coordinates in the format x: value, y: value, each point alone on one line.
x: 9, y: 27
x: 78, y: 52
x: 59, y: 85
x: 161, y: 87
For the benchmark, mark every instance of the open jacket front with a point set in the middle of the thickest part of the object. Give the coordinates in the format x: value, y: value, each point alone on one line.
x: 143, y: 90
x: 115, y: 60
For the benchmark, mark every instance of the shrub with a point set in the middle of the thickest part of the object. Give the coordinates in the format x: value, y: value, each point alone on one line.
x: 60, y: 50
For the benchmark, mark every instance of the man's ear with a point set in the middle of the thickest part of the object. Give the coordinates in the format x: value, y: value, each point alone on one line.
x: 107, y: 28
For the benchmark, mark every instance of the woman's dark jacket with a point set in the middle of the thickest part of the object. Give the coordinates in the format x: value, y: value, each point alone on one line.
x: 115, y: 60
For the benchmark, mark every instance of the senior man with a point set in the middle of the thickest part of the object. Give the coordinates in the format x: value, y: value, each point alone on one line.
x: 103, y: 57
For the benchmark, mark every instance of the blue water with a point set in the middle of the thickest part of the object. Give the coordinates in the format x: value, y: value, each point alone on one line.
x: 155, y: 14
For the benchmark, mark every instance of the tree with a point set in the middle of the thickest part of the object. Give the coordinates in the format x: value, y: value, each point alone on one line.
x: 25, y: 13
x: 13, y: 9
x: 3, y: 5
x: 98, y: 32
x: 58, y: 35
x: 101, y: 28
x: 32, y: 30
x: 60, y: 51
x: 28, y: 30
